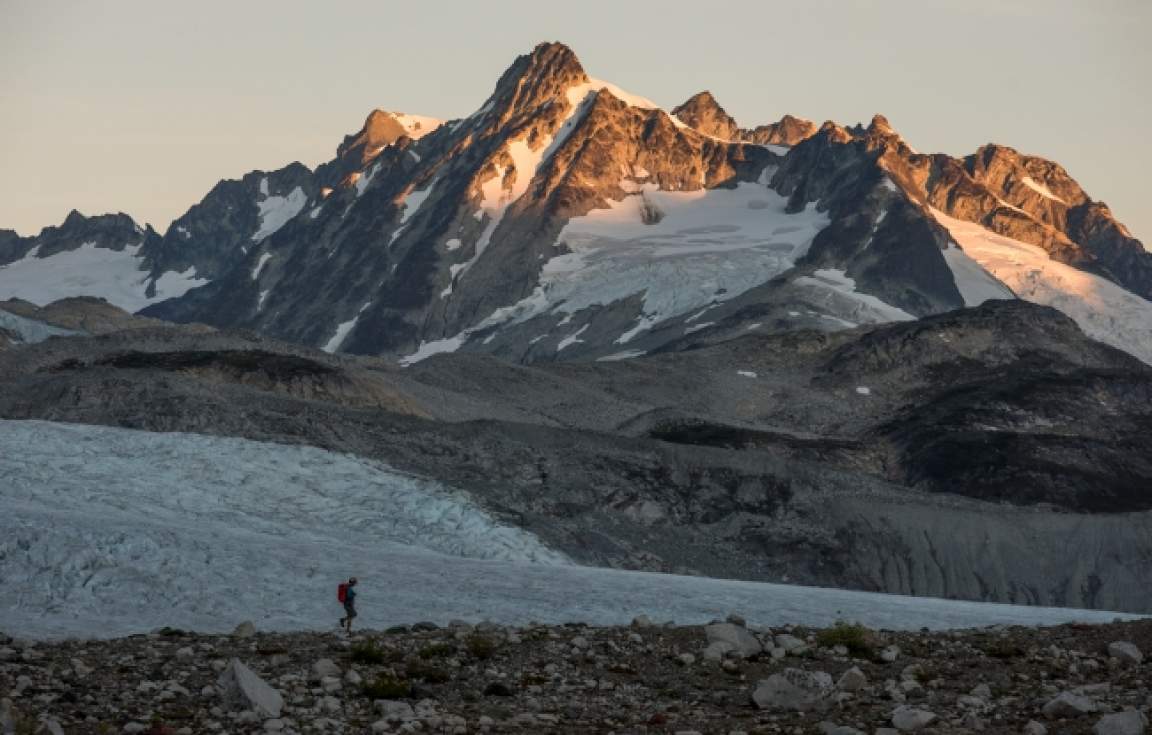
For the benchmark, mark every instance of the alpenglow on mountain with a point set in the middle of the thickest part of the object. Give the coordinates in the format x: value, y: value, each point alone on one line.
x: 567, y: 219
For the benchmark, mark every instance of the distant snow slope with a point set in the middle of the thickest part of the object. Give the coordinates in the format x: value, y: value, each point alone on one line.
x: 844, y: 303
x: 108, y: 531
x: 1104, y: 310
x: 91, y: 271
x: 975, y: 284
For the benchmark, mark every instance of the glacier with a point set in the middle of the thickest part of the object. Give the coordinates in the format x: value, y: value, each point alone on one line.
x: 108, y: 531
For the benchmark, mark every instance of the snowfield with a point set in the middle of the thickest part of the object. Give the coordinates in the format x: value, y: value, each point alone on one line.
x: 105, y: 532
x: 1104, y: 310
x: 276, y: 211
x: 709, y: 246
x: 113, y: 275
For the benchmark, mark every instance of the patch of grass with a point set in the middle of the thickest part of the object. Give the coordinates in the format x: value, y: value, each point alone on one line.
x: 436, y: 650
x: 1002, y: 648
x: 858, y: 639
x: 427, y: 673
x: 480, y: 646
x: 386, y: 686
x: 369, y: 652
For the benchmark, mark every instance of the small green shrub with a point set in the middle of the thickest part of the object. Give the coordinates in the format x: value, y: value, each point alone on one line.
x: 480, y: 646
x: 1002, y: 648
x: 436, y: 650
x: 369, y: 652
x: 859, y: 640
x: 386, y: 686
x: 427, y: 673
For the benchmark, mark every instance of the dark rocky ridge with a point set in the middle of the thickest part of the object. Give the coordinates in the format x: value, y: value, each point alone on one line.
x: 214, y: 235
x: 111, y: 231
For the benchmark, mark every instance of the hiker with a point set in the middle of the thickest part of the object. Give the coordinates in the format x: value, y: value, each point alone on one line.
x: 346, y: 593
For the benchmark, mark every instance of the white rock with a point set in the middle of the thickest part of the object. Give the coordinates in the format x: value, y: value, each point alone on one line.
x: 890, y: 654
x: 1132, y: 722
x: 325, y: 667
x: 983, y: 691
x: 736, y: 637
x: 394, y: 711
x: 1067, y: 704
x: 353, y: 677
x: 1034, y: 728
x: 911, y: 719
x: 794, y: 689
x: 852, y: 680
x: 275, y: 725
x: 1125, y: 652
x: 53, y: 727
x: 185, y: 652
x: 790, y: 643
x: 240, y: 687
x: 132, y: 727
x: 686, y: 659
x: 716, y: 650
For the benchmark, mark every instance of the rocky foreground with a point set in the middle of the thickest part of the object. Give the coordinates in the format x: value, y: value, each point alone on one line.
x: 647, y: 678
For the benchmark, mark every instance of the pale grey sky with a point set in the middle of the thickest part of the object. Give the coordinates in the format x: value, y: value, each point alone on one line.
x: 142, y: 106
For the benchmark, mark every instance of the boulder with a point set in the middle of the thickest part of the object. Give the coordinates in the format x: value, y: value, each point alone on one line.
x: 911, y: 719
x: 241, y: 688
x: 737, y: 637
x: 1067, y: 704
x: 790, y: 643
x: 394, y: 711
x: 852, y: 680
x: 325, y: 667
x: 1034, y: 728
x: 716, y: 650
x: 1125, y: 652
x: 793, y: 689
x: 1131, y: 722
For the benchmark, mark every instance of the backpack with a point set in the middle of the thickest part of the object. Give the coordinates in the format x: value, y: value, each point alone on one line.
x: 342, y: 592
